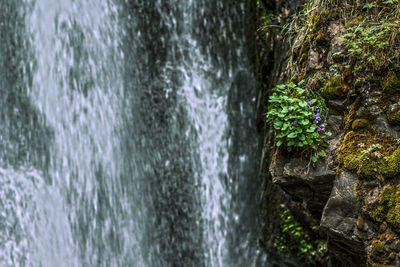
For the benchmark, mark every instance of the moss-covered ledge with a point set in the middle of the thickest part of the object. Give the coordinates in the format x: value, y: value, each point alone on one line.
x: 370, y: 154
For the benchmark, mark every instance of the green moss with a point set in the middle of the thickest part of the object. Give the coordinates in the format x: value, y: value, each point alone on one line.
x: 391, y: 83
x: 304, y: 51
x: 394, y: 163
x: 311, y: 36
x: 370, y: 154
x: 387, y: 207
x: 378, y: 246
x: 303, y: 59
x: 394, y: 117
x: 359, y: 124
x: 358, y: 188
x: 321, y: 37
x: 348, y: 118
x: 315, y: 20
x: 333, y: 87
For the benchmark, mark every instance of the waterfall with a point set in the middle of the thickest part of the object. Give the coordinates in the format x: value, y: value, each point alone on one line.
x: 127, y: 134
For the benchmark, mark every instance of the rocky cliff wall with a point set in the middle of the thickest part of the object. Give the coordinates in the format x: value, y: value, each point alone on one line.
x: 343, y: 210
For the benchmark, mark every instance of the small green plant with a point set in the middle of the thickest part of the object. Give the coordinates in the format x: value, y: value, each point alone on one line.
x: 369, y: 5
x: 365, y: 41
x: 364, y: 153
x: 370, y: 149
x: 293, y: 239
x: 267, y: 22
x: 299, y: 118
x: 371, y: 43
x: 323, y: 78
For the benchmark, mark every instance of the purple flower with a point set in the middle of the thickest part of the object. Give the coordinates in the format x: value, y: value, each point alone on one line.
x: 309, y: 103
x: 321, y: 128
x: 327, y: 74
x: 317, y: 117
x: 294, y: 123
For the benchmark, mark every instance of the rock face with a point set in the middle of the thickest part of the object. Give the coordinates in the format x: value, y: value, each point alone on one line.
x: 339, y: 220
x: 302, y: 181
x: 350, y: 199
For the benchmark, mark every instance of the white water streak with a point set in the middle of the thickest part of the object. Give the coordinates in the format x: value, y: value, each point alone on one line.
x: 207, y: 115
x: 77, y: 87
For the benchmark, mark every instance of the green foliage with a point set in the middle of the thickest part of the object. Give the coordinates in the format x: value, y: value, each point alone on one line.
x: 366, y: 41
x: 369, y: 5
x: 294, y: 239
x: 365, y: 152
x: 266, y: 22
x: 372, y: 36
x: 299, y: 118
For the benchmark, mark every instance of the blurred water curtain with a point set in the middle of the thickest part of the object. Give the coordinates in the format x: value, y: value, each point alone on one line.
x: 126, y: 134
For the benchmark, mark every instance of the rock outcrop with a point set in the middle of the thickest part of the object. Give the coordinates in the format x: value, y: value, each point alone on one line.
x: 339, y: 220
x: 344, y: 51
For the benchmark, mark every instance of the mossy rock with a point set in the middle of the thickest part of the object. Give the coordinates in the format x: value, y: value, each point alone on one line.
x: 321, y: 37
x: 333, y: 88
x: 378, y: 246
x: 305, y: 49
x: 394, y: 163
x: 359, y: 124
x: 387, y: 208
x: 348, y: 118
x: 381, y: 253
x: 394, y: 117
x: 316, y: 20
x: 370, y: 154
x: 391, y: 83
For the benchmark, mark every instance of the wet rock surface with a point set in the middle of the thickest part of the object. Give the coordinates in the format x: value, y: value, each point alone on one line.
x: 339, y: 221
x: 299, y: 178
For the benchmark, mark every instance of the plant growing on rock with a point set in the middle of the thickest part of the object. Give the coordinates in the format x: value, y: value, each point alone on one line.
x: 294, y: 239
x: 367, y: 42
x: 299, y: 119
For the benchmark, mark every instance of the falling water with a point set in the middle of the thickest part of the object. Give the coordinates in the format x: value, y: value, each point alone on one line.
x: 127, y: 134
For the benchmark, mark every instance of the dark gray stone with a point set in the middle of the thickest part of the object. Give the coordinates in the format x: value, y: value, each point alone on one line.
x: 383, y: 125
x: 340, y: 105
x: 339, y: 222
x: 301, y: 180
x: 334, y: 123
